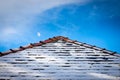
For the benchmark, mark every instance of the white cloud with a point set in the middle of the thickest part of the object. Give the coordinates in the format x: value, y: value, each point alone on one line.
x: 9, y: 30
x: 20, y: 14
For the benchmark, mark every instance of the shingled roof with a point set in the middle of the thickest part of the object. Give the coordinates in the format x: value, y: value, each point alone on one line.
x: 54, y: 39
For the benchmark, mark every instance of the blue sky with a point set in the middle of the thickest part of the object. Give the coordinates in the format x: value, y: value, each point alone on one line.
x: 96, y: 22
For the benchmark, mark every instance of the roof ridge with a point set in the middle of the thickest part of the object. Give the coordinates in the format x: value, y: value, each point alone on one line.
x: 54, y: 39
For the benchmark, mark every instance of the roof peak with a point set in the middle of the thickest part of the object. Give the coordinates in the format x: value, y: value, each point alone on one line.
x: 54, y: 39
x: 60, y: 37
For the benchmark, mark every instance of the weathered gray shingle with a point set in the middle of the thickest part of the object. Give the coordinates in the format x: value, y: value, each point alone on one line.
x: 59, y: 58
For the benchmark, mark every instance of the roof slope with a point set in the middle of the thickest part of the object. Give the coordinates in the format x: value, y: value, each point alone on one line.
x: 54, y: 39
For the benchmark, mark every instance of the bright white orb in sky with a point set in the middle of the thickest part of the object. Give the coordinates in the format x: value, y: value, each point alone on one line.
x: 38, y: 34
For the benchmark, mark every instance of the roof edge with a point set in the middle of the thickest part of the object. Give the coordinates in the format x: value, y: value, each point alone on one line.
x: 54, y: 39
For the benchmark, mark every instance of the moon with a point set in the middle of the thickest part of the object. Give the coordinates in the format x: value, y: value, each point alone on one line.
x: 38, y: 34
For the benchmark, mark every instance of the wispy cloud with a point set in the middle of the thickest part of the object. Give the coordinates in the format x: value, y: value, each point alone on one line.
x: 20, y: 14
x: 17, y: 17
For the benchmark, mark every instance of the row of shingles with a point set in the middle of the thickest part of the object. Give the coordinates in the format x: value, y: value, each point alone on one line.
x: 100, y: 49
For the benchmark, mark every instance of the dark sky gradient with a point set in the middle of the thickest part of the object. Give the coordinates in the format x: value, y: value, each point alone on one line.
x: 96, y: 23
